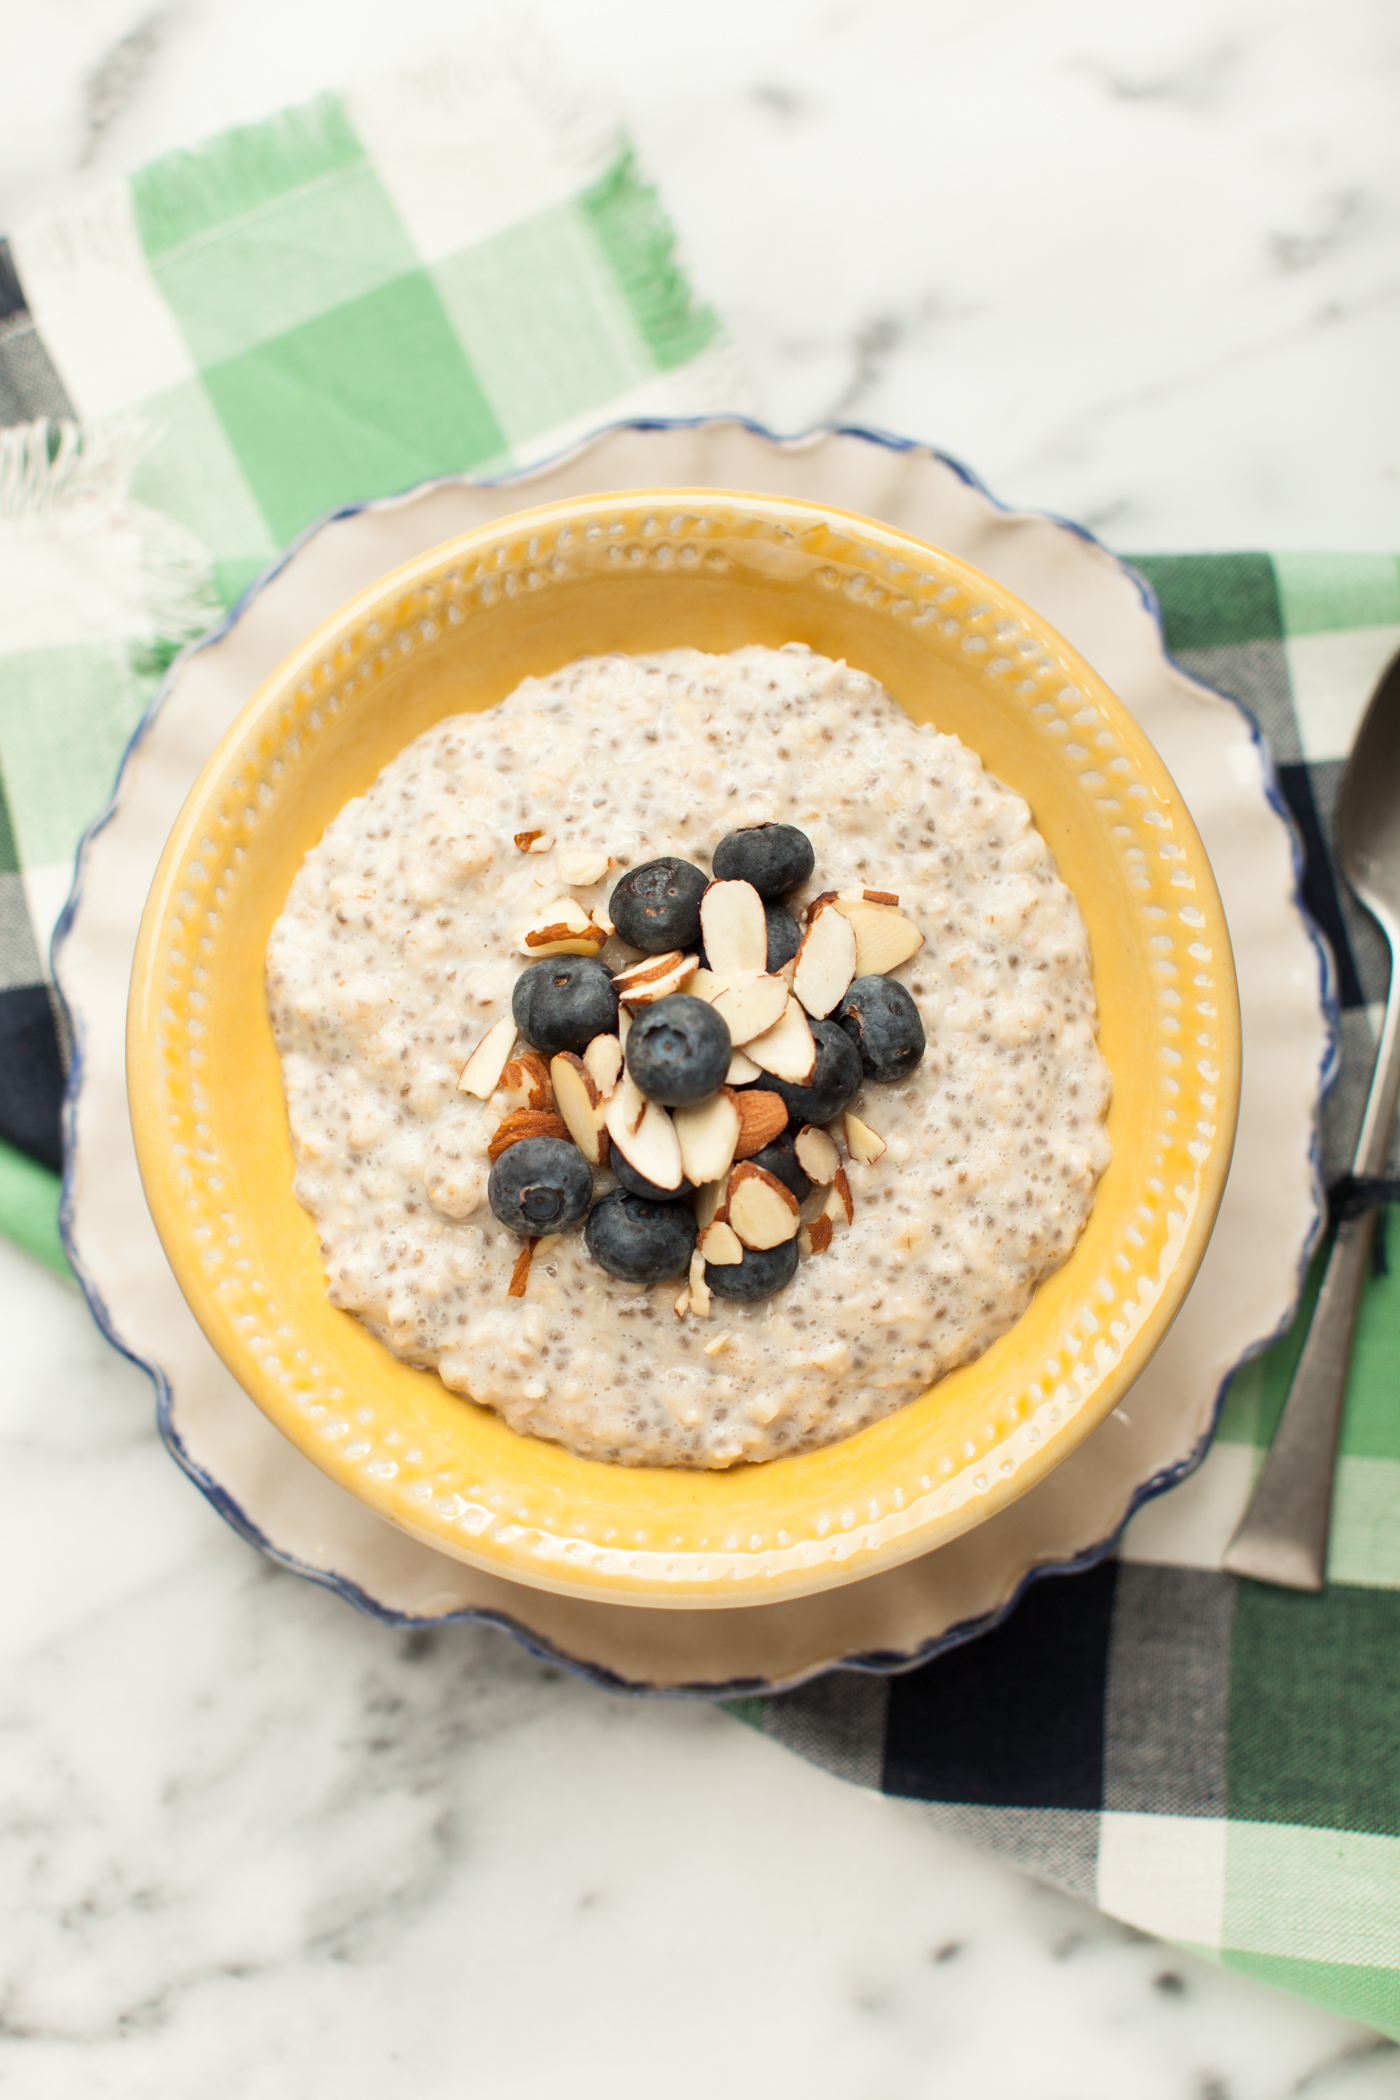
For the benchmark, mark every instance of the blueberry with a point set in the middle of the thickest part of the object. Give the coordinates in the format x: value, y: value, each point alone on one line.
x: 639, y: 1241
x: 678, y: 1050
x: 784, y: 935
x: 563, y: 1002
x: 657, y: 907
x: 540, y: 1185
x: 834, y: 1084
x: 780, y: 1159
x: 775, y: 858
x: 883, y: 1022
x: 637, y: 1184
x: 762, y: 1271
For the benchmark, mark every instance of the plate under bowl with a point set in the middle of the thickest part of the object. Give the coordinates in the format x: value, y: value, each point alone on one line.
x: 457, y: 629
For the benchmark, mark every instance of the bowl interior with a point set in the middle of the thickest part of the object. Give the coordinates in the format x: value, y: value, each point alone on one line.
x: 457, y: 630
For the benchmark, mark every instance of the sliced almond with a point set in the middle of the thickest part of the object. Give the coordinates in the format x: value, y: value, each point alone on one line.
x: 709, y: 1202
x: 762, y: 1117
x: 704, y: 984
x: 533, y: 841
x: 818, y: 905
x: 761, y: 1210
x: 861, y: 1141
x: 708, y: 1133
x: 817, y: 1154
x: 603, y: 1058
x: 525, y: 1123
x: 733, y: 927
x: 826, y: 963
x: 816, y: 1237
x: 577, y: 1098
x: 652, y: 1147
x: 721, y: 1244
x: 741, y: 1070
x: 699, y: 1288
x: 787, y: 1051
x: 625, y: 1106
x: 839, y: 1205
x: 884, y: 937
x: 751, y: 1004
x: 624, y: 1023
x: 520, y: 1274
x: 582, y: 867
x: 655, y: 977
x: 683, y: 1304
x: 481, y: 1074
x: 562, y: 928
x: 880, y: 896
x: 525, y: 1082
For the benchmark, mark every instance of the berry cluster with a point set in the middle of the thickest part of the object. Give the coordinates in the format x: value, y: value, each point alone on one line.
x: 704, y: 1075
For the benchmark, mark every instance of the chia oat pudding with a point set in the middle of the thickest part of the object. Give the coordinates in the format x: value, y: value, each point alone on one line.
x: 922, y: 1214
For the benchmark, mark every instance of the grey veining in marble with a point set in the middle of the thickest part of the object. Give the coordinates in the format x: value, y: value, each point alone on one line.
x: 1134, y: 263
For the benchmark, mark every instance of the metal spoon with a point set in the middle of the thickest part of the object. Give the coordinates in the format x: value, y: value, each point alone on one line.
x: 1282, y: 1536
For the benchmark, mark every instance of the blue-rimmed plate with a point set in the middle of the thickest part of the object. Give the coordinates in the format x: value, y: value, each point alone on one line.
x: 1246, y: 1288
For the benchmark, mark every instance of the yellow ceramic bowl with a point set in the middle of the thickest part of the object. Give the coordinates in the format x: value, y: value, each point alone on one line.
x: 458, y: 629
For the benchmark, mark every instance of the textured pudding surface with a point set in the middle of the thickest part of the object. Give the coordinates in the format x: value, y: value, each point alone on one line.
x: 399, y: 947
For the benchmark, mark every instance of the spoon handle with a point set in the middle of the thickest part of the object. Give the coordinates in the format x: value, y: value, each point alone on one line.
x: 1282, y: 1536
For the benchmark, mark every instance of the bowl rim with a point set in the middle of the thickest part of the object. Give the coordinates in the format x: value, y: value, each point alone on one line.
x: 745, y: 1586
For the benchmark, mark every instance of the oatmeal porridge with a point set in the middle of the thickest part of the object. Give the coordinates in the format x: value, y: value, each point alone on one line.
x: 691, y: 1058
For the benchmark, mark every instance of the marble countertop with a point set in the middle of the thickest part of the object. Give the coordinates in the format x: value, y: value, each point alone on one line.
x: 1137, y: 266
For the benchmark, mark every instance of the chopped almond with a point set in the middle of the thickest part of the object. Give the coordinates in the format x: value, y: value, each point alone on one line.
x: 884, y: 937
x: 826, y: 963
x: 525, y: 1082
x: 762, y: 1211
x: 762, y: 1117
x: 816, y: 1237
x: 582, y: 867
x: 708, y: 1133
x: 721, y: 1244
x: 816, y: 1154
x: 733, y: 927
x: 603, y: 1058
x: 530, y: 841
x: 520, y: 1274
x: 787, y: 1051
x: 654, y: 977
x: 839, y: 1205
x: 861, y: 1141
x: 525, y: 1123
x: 562, y: 928
x: 650, y: 1145
x: 710, y: 1201
x: 626, y: 1103
x: 481, y: 1074
x: 699, y: 1288
x: 577, y: 1099
x: 750, y: 1003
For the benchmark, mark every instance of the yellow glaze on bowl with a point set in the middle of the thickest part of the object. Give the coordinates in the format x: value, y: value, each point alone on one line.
x: 458, y: 629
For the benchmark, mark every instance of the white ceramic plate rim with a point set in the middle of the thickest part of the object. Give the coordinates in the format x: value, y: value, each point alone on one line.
x: 522, y: 1610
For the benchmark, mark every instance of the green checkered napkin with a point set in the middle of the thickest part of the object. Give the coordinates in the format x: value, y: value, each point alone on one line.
x: 454, y: 276
x: 440, y: 275
x: 1213, y: 1760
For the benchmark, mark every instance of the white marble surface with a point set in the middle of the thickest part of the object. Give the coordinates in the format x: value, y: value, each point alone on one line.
x: 1137, y: 265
